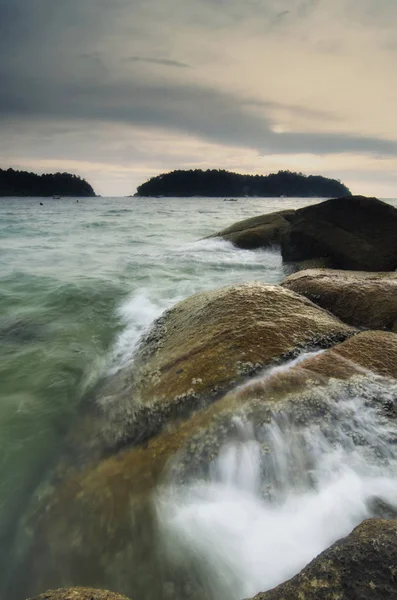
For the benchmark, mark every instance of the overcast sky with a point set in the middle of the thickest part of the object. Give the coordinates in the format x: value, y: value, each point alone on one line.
x: 121, y: 90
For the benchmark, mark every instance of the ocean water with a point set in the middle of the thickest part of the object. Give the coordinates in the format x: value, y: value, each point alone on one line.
x: 79, y: 283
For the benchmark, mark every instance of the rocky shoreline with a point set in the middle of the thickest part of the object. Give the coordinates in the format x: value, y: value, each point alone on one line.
x: 201, y: 365
x: 358, y: 567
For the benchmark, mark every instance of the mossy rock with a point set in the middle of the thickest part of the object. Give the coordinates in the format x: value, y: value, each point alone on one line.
x: 369, y: 351
x: 98, y: 527
x: 367, y: 300
x: 366, y: 355
x: 361, y: 566
x: 213, y: 340
x: 197, y: 351
x: 257, y: 232
x: 79, y: 594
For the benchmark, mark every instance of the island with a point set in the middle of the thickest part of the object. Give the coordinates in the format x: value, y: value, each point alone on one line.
x: 22, y: 183
x: 215, y: 183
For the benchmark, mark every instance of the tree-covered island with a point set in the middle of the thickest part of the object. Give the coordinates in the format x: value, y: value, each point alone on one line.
x: 215, y: 183
x: 22, y: 183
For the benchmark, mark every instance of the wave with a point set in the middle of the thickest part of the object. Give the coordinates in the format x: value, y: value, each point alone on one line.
x: 196, y: 267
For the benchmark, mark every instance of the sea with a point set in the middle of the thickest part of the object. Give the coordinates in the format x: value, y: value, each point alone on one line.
x: 80, y: 282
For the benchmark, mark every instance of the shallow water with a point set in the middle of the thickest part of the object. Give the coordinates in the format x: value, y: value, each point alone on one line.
x: 80, y: 282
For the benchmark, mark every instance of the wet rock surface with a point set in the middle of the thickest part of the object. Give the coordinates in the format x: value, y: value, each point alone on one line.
x: 367, y: 300
x: 367, y: 352
x: 99, y: 526
x: 361, y: 566
x: 79, y: 594
x: 215, y: 339
x: 198, y: 350
x: 209, y: 365
x: 257, y: 232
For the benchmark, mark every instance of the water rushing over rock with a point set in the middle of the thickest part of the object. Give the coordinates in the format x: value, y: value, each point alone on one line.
x: 277, y: 496
x: 184, y: 464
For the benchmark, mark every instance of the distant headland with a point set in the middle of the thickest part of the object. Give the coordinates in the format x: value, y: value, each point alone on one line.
x: 216, y: 182
x: 22, y: 183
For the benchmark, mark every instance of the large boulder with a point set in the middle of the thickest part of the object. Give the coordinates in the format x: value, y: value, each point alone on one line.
x: 79, y: 594
x: 194, y: 354
x: 202, y: 347
x: 361, y: 566
x: 367, y: 300
x: 354, y: 232
x: 257, y: 232
x: 98, y: 527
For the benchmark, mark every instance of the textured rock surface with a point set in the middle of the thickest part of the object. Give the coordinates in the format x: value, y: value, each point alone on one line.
x: 367, y: 300
x: 361, y: 566
x: 375, y: 351
x: 79, y: 594
x: 204, y: 346
x: 354, y: 232
x: 99, y: 527
x: 215, y: 339
x: 257, y: 232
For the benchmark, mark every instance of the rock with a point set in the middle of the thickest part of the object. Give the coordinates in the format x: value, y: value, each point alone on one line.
x: 79, y: 594
x: 257, y: 232
x: 374, y: 351
x: 98, y: 527
x: 367, y: 300
x: 204, y: 346
x: 354, y: 232
x: 313, y: 263
x: 361, y: 566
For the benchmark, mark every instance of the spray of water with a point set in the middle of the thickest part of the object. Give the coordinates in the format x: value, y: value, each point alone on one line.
x: 272, y: 501
x: 188, y: 269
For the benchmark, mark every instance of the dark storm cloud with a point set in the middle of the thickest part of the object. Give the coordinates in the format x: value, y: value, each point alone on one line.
x: 204, y: 112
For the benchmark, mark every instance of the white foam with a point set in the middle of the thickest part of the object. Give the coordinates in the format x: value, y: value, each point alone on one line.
x: 236, y: 543
x: 187, y: 269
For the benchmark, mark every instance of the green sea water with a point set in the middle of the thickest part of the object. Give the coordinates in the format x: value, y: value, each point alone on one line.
x: 79, y: 283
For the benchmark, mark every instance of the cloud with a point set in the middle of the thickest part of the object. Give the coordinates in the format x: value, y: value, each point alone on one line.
x: 282, y: 77
x: 197, y: 110
x: 158, y: 61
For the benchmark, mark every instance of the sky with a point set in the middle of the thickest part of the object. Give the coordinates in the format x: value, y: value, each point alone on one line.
x: 118, y: 91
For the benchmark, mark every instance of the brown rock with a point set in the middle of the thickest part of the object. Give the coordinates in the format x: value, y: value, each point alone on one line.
x: 367, y: 300
x: 99, y: 527
x: 313, y: 263
x: 79, y: 594
x: 204, y: 346
x: 354, y: 232
x: 361, y: 566
x: 257, y: 232
x: 374, y: 351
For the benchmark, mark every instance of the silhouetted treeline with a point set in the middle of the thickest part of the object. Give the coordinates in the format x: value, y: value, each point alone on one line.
x: 22, y: 183
x: 223, y: 183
